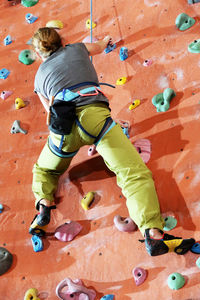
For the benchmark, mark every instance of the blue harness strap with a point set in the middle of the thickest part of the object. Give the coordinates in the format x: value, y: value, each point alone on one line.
x: 58, y: 151
x: 109, y: 124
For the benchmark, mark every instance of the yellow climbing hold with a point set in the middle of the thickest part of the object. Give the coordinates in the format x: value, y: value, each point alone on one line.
x: 88, y: 24
x: 57, y: 24
x: 31, y: 294
x: 121, y: 81
x: 87, y: 200
x: 19, y: 103
x: 134, y: 104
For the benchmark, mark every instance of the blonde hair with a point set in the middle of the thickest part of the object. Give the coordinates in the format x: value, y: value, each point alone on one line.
x: 46, y: 40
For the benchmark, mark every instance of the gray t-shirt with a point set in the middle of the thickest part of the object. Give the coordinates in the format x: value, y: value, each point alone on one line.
x: 68, y: 66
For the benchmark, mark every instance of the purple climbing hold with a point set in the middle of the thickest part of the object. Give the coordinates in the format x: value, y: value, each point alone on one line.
x: 7, y: 40
x: 147, y: 62
x: 5, y: 94
x: 124, y: 224
x: 68, y: 231
x: 139, y: 275
x: 4, y: 73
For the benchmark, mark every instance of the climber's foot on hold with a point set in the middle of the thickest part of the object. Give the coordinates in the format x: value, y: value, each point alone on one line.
x: 157, y: 243
x: 45, y: 207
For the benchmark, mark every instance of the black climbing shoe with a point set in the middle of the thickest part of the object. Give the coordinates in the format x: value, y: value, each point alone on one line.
x: 43, y: 218
x: 168, y: 243
x: 35, y: 229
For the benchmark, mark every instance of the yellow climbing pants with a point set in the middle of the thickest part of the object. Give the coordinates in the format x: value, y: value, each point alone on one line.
x: 120, y: 156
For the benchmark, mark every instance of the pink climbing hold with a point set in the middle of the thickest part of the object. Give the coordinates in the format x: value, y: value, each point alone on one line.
x: 67, y: 231
x: 143, y: 147
x: 87, y: 39
x: 92, y: 150
x: 147, y: 62
x: 139, y: 275
x: 75, y: 290
x: 124, y: 224
x: 5, y: 94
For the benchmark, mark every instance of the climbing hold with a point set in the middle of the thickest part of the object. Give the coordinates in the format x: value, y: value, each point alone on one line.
x: 198, y: 262
x: 68, y: 231
x: 194, y: 47
x: 31, y: 294
x: 35, y: 229
x: 88, y: 24
x: 193, y: 1
x: 7, y: 40
x: 5, y: 94
x: 30, y: 18
x: 143, y: 147
x: 175, y: 281
x: 134, y: 104
x: 147, y: 62
x: 139, y: 275
x: 1, y: 208
x: 27, y: 57
x: 92, y: 150
x: 123, y: 54
x: 4, y: 73
x: 29, y: 3
x: 121, y: 81
x: 107, y: 297
x: 57, y: 24
x: 170, y: 223
x: 183, y: 22
x: 195, y: 248
x: 126, y: 131
x: 29, y: 42
x: 110, y: 47
x: 124, y: 224
x: 162, y: 100
x: 6, y: 260
x: 87, y: 39
x: 75, y: 290
x: 16, y: 128
x: 87, y: 200
x: 19, y: 103
x: 37, y: 243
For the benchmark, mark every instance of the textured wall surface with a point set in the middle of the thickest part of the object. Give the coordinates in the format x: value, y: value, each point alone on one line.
x: 100, y: 255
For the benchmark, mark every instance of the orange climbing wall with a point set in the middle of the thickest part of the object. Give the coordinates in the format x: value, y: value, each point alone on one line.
x: 100, y: 255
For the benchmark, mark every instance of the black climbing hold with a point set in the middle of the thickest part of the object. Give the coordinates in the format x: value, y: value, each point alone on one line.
x: 6, y: 260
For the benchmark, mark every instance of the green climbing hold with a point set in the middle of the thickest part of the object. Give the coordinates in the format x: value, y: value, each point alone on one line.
x: 162, y: 100
x: 27, y: 57
x: 194, y: 47
x: 29, y: 3
x: 175, y: 281
x: 170, y: 223
x: 183, y: 21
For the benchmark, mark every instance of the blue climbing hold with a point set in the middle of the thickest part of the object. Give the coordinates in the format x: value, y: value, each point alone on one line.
x: 170, y: 223
x: 126, y: 131
x: 7, y: 40
x: 123, y: 54
x: 110, y: 48
x: 4, y: 73
x: 31, y: 18
x: 195, y: 248
x: 107, y: 297
x: 1, y: 208
x: 198, y: 262
x: 37, y: 243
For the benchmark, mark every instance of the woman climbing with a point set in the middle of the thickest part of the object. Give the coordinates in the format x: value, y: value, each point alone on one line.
x: 79, y: 114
